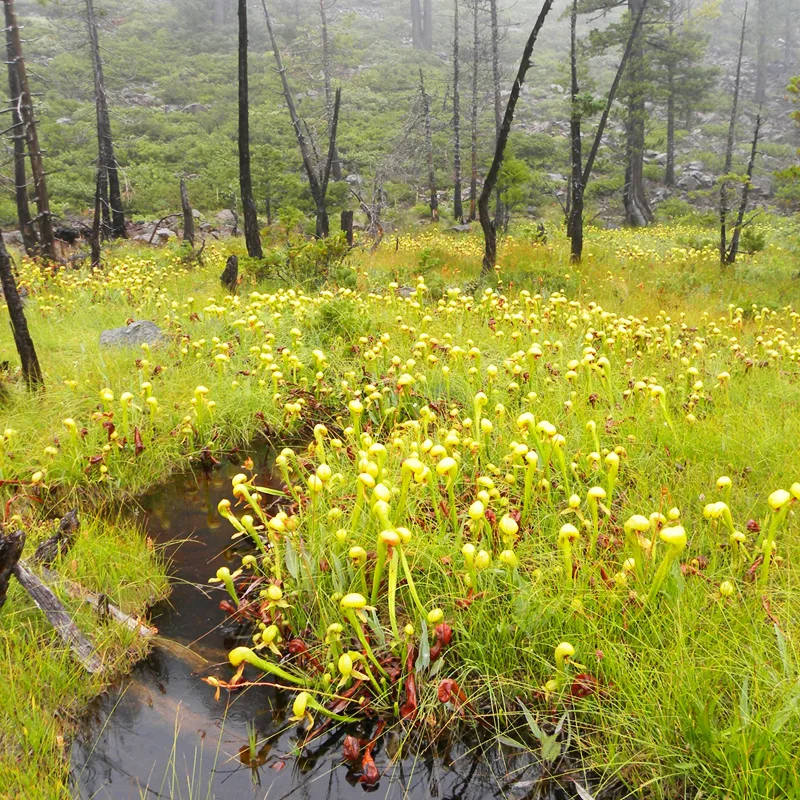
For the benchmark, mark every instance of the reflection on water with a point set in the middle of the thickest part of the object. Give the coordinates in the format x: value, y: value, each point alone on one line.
x: 160, y: 733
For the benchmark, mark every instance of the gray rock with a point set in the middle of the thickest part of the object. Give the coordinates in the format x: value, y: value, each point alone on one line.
x: 134, y: 335
x: 688, y: 183
x: 225, y: 217
x: 13, y: 237
x: 461, y: 228
x: 64, y: 121
x: 196, y: 214
x: 195, y: 108
x: 165, y: 233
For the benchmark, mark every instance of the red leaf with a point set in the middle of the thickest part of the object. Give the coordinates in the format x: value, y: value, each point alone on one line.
x: 351, y: 749
x: 138, y: 446
x: 370, y: 774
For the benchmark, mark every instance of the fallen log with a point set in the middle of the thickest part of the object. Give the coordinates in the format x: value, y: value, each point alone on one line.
x: 44, y: 599
x: 97, y: 601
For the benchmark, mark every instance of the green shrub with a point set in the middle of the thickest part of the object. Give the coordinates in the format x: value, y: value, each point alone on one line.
x: 304, y: 263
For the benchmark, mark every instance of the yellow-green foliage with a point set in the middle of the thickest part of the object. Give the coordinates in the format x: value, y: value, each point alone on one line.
x: 647, y: 351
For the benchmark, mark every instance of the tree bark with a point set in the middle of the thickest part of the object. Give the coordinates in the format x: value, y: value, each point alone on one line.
x: 734, y: 248
x: 251, y: 234
x: 575, y: 221
x: 489, y: 231
x: 575, y: 215
x: 427, y: 25
x: 416, y: 24
x: 31, y: 370
x: 336, y: 170
x: 498, y: 108
x: 46, y: 601
x: 96, y: 252
x: 105, y: 141
x: 473, y: 183
x: 25, y: 108
x: 188, y: 217
x: 347, y: 226
x: 426, y: 115
x: 458, y: 210
x: 11, y: 546
x: 669, y: 173
x: 637, y: 209
x: 723, y: 187
x: 29, y: 239
x: 314, y: 181
x: 230, y: 275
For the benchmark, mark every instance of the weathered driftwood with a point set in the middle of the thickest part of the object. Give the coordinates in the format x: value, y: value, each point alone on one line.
x: 10, y: 551
x: 44, y: 599
x: 97, y: 601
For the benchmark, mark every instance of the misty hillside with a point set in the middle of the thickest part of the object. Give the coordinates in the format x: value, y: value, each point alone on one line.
x: 170, y: 72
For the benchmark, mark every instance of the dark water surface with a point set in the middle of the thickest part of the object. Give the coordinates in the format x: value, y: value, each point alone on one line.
x: 159, y: 733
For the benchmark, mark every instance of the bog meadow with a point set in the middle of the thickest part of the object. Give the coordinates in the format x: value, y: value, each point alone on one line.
x: 401, y: 398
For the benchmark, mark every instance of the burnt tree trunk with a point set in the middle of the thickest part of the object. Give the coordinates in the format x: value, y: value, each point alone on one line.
x: 723, y: 187
x: 25, y: 107
x: 336, y: 167
x: 489, y: 231
x: 31, y: 370
x: 230, y: 275
x: 575, y: 219
x: 251, y: 234
x: 458, y: 211
x: 322, y: 211
x: 473, y: 181
x: 347, y: 226
x: 416, y: 24
x: 11, y: 546
x: 669, y: 173
x: 96, y: 253
x: 637, y: 209
x: 734, y: 248
x: 498, y: 107
x: 426, y: 118
x: 575, y: 216
x: 427, y: 25
x: 26, y: 228
x: 314, y: 180
x: 107, y: 159
x: 188, y: 217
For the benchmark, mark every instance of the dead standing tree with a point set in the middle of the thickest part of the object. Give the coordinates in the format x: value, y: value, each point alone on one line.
x: 581, y: 174
x: 733, y: 250
x: 251, y: 233
x: 318, y: 173
x: 113, y: 214
x: 425, y: 100
x: 24, y: 105
x: 489, y: 230
x: 29, y: 238
x: 336, y: 166
x: 723, y: 186
x: 188, y: 216
x: 31, y: 370
x: 458, y: 211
